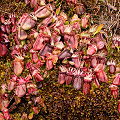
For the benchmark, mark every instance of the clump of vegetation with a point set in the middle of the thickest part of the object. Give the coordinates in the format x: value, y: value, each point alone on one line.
x: 49, y: 99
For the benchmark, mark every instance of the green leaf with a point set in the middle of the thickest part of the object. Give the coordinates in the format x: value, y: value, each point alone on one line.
x: 31, y: 115
x: 23, y: 42
x: 66, y: 23
x: 53, y: 20
x: 65, y: 61
x: 58, y: 10
x: 98, y: 29
x: 8, y: 63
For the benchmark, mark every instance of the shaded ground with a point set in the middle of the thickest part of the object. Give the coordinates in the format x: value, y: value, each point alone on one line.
x: 63, y: 102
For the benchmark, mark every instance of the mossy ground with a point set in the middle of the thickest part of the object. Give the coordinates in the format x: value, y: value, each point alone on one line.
x: 62, y: 101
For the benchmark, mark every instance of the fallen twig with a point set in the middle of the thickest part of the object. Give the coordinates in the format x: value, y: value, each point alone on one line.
x: 110, y: 6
